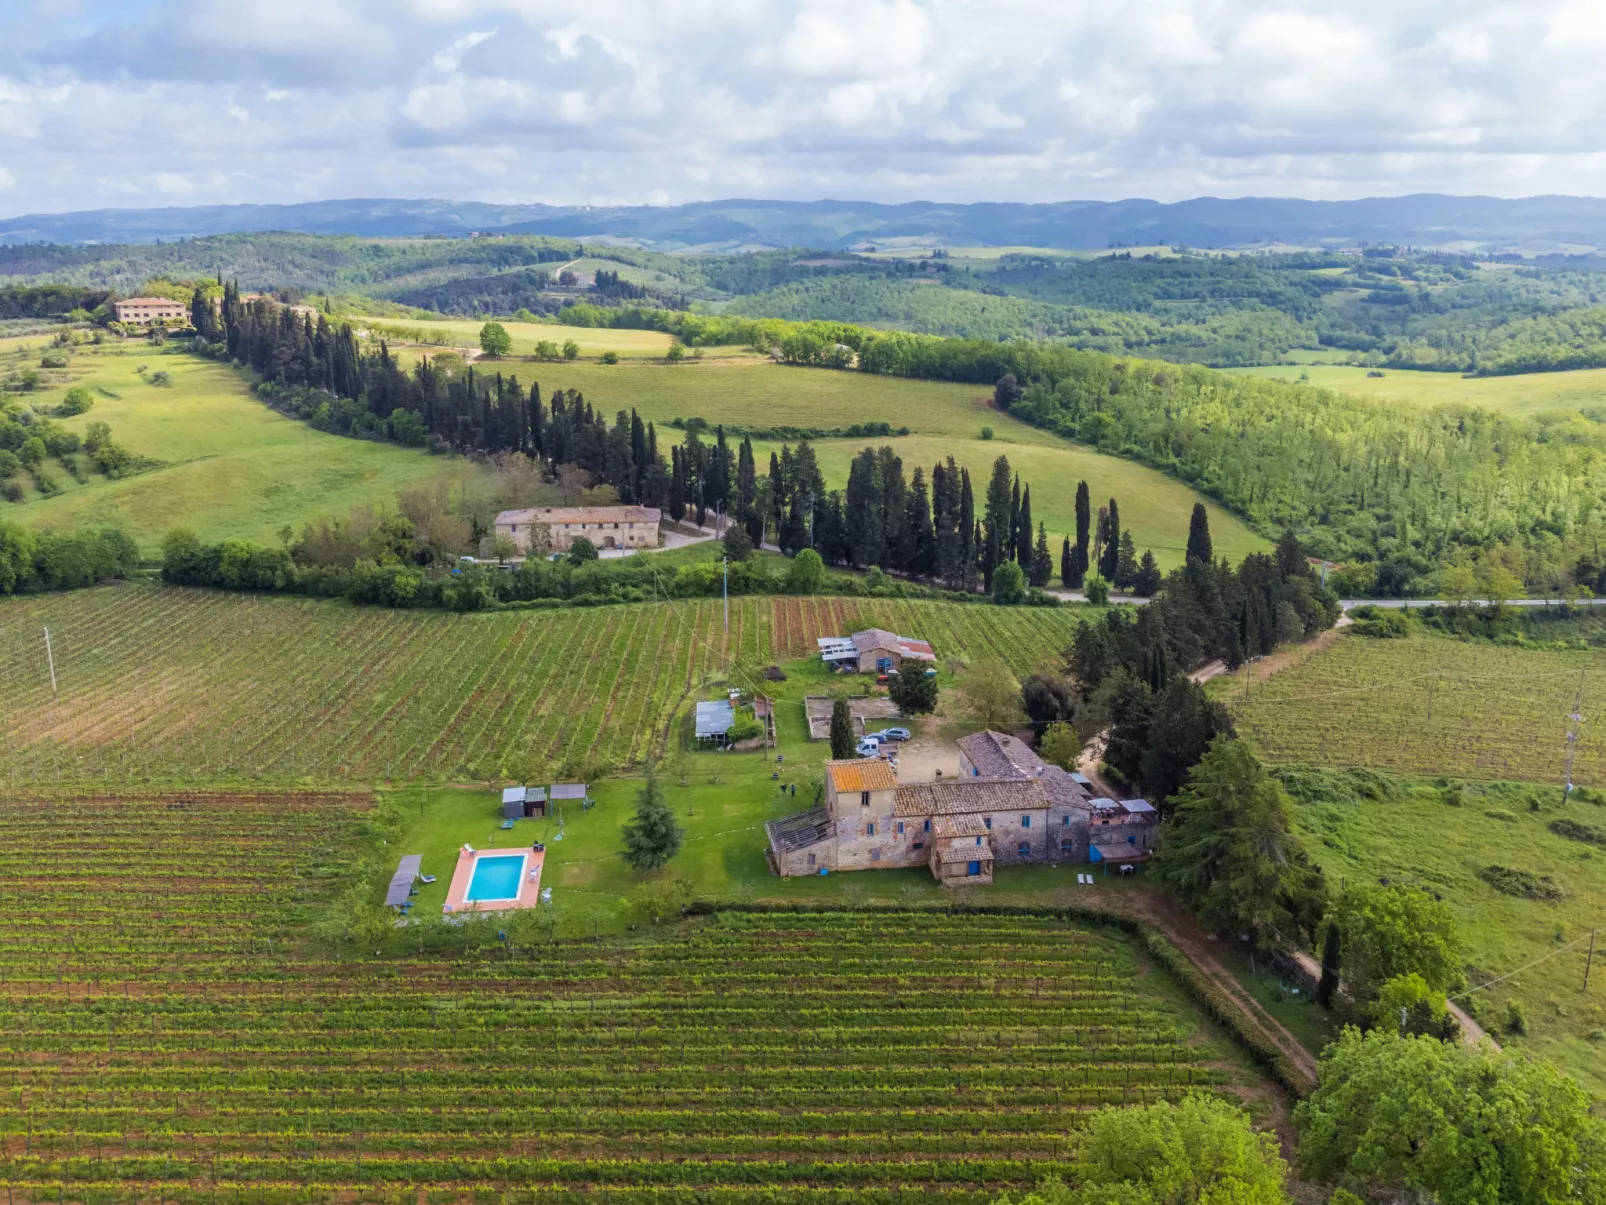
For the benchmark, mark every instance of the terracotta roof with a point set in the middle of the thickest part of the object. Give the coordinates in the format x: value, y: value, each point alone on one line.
x: 580, y: 514
x: 951, y: 797
x: 151, y: 301
x: 904, y: 646
x: 964, y: 853
x: 861, y: 774
x: 999, y: 755
x: 965, y: 824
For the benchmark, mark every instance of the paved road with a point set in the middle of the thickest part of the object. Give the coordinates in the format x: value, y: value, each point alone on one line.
x: 1347, y: 603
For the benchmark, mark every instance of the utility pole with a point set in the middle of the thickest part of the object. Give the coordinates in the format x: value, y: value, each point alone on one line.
x: 1590, y: 959
x: 725, y: 562
x: 50, y: 658
x: 1574, y: 733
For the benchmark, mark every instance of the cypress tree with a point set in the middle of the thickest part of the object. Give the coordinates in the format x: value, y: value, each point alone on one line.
x: 1012, y: 543
x: 1042, y: 564
x: 1112, y: 543
x: 1024, y: 552
x: 1066, y: 570
x: 922, y: 532
x: 1084, y: 521
x: 677, y: 484
x: 1332, y: 946
x: 997, y: 519
x: 969, y: 533
x: 842, y: 742
x: 1199, y: 546
x: 862, y: 511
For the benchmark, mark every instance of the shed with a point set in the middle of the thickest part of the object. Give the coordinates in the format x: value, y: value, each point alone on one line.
x: 513, y: 803
x: 714, y: 720
x: 401, y: 883
x: 534, y: 801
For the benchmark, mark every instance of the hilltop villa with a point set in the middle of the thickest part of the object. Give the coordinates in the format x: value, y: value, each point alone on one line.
x: 604, y: 526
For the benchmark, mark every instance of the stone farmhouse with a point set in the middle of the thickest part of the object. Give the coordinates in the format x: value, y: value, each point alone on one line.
x: 1009, y: 807
x: 142, y: 311
x: 873, y: 651
x: 604, y: 526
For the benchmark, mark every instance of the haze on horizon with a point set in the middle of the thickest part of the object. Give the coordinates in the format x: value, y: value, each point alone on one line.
x: 153, y: 103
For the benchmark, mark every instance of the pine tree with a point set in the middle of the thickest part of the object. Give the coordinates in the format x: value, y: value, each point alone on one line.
x: 1126, y: 563
x: 1042, y: 562
x: 1147, y: 582
x: 1112, y: 543
x: 922, y: 533
x: 842, y: 742
x: 1199, y: 546
x: 654, y: 836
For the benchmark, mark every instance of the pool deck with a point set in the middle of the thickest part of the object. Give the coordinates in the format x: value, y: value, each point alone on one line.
x: 529, y: 884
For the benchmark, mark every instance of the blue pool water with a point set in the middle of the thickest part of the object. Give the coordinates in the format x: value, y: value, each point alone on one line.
x: 496, y: 878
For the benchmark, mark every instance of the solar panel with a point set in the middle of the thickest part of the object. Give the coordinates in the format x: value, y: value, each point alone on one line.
x: 401, y: 883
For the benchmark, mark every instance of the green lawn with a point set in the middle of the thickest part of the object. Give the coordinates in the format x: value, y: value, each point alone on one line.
x: 1528, y: 394
x: 230, y: 467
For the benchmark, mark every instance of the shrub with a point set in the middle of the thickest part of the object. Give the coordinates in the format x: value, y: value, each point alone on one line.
x: 571, y: 350
x: 913, y: 692
x: 77, y: 401
x: 53, y: 360
x: 986, y: 432
x: 1524, y: 884
x: 609, y: 357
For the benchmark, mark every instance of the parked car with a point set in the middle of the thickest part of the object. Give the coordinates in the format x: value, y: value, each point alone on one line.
x: 891, y: 734
x: 868, y: 747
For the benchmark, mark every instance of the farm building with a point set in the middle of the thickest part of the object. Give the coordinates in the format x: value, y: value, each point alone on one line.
x: 522, y: 803
x: 873, y: 651
x: 144, y: 310
x: 604, y: 526
x: 1122, y: 830
x: 959, y: 828
x: 714, y: 720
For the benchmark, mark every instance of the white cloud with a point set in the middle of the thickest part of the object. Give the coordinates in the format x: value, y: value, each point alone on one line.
x: 619, y: 101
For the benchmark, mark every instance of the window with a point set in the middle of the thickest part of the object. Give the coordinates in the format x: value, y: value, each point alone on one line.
x: 1026, y: 822
x: 978, y: 840
x: 1024, y: 848
x: 869, y: 829
x: 1065, y: 821
x: 989, y: 823
x: 811, y: 859
x: 920, y: 845
x: 1066, y: 846
x: 1131, y: 839
x: 864, y: 799
x: 900, y: 828
x: 927, y: 827
x: 875, y: 855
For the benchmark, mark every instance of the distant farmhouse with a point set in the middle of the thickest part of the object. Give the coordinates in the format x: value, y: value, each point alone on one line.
x: 873, y: 651
x: 604, y: 526
x: 142, y: 311
x: 1009, y: 807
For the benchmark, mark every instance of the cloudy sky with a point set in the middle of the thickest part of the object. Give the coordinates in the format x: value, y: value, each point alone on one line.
x: 160, y: 102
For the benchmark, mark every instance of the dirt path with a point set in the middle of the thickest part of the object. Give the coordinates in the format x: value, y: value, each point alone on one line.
x: 1198, y: 945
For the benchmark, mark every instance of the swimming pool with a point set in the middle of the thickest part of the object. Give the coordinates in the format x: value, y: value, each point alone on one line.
x: 496, y: 878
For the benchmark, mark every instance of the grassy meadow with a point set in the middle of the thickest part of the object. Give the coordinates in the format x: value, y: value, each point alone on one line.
x: 229, y: 466
x: 593, y: 341
x: 1531, y: 393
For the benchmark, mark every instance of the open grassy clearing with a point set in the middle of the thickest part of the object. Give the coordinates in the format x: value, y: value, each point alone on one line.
x: 593, y: 341
x: 230, y: 467
x: 182, y: 1040
x: 1442, y: 838
x: 161, y: 683
x: 1430, y: 705
x: 945, y: 419
x: 1531, y: 393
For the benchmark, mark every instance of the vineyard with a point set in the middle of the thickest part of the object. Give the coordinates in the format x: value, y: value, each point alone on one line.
x: 160, y: 684
x: 169, y: 1032
x: 1431, y: 705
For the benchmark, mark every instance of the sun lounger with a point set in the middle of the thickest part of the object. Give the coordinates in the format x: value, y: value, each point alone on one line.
x: 426, y: 878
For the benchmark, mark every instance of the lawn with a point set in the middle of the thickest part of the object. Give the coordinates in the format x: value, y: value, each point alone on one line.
x: 229, y: 466
x: 167, y: 684
x: 1420, y: 831
x: 792, y: 1058
x: 1531, y: 393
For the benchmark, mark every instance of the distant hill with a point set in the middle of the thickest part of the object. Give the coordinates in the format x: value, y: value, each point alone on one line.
x: 1533, y: 225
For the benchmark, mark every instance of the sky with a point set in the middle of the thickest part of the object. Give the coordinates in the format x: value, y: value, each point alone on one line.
x: 139, y: 103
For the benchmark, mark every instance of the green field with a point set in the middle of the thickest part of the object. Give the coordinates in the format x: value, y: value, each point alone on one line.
x: 230, y: 467
x: 1532, y: 393
x: 1431, y: 705
x: 1412, y: 834
x: 944, y: 419
x: 465, y: 332
x: 158, y: 683
x: 182, y: 1039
